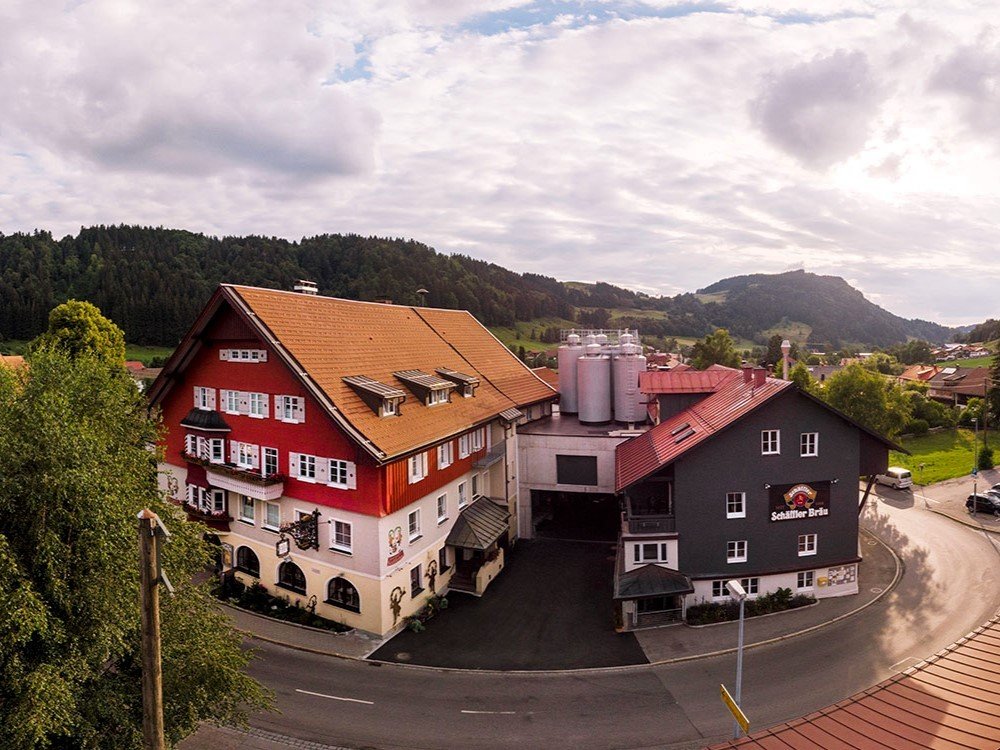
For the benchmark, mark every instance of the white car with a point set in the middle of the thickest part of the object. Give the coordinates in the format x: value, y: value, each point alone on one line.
x: 896, y: 477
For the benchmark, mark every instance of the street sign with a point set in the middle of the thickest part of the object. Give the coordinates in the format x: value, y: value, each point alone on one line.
x: 735, y: 710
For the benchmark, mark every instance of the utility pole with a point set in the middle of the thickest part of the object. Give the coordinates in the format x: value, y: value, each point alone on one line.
x: 150, y: 576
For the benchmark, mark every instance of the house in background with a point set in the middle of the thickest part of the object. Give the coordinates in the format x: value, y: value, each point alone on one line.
x: 956, y: 385
x: 361, y: 457
x: 744, y: 477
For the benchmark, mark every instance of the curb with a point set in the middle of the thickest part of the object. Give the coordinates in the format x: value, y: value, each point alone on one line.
x: 625, y: 668
x: 965, y: 521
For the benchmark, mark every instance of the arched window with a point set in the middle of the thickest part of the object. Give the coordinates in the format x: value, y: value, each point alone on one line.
x: 290, y: 576
x: 247, y: 562
x: 341, y: 593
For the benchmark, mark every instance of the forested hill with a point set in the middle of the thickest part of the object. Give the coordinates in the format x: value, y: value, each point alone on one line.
x: 153, y: 282
x: 836, y: 311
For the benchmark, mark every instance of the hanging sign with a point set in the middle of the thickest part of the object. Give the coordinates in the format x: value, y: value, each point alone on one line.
x: 283, y: 546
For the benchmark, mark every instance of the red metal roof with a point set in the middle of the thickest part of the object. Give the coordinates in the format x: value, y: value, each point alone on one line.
x: 641, y: 456
x: 686, y: 381
x: 950, y: 701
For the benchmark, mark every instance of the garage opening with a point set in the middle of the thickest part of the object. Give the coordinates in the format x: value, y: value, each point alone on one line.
x: 588, y: 516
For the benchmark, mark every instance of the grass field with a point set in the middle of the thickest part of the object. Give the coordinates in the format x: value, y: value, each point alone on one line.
x: 143, y: 354
x: 944, y: 455
x: 972, y: 362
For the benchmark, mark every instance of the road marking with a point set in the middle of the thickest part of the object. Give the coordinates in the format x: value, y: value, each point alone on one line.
x: 504, y: 713
x: 335, y: 697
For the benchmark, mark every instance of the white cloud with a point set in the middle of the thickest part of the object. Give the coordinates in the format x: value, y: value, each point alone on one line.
x: 645, y: 144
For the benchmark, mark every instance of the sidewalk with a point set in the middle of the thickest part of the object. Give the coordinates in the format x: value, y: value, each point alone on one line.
x: 948, y: 499
x: 877, y: 574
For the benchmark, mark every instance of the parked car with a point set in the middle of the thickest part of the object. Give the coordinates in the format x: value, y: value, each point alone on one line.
x: 896, y: 477
x: 980, y: 503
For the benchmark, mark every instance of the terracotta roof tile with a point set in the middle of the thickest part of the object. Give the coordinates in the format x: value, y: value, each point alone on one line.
x: 332, y: 338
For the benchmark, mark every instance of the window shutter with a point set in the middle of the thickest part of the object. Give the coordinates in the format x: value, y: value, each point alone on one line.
x: 189, y: 444
x: 234, y: 451
x: 265, y: 404
x: 277, y: 407
x: 323, y: 470
x: 352, y: 476
x: 243, y: 402
x: 293, y: 464
x: 211, y: 399
x: 256, y: 456
x: 263, y: 355
x: 197, y: 402
x: 223, y: 354
x: 300, y: 410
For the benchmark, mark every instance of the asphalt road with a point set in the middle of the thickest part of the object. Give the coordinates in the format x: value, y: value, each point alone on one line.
x: 951, y: 585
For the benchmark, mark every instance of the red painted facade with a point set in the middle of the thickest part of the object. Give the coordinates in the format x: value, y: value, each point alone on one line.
x: 381, y: 490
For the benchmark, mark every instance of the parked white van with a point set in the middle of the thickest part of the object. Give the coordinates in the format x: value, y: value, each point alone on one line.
x: 896, y: 477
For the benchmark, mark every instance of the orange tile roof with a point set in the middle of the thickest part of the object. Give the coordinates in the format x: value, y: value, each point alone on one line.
x: 333, y: 338
x: 547, y: 374
x: 949, y: 701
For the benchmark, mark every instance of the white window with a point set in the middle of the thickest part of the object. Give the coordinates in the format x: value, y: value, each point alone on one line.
x: 442, y: 503
x: 807, y: 544
x: 475, y: 486
x: 650, y: 552
x: 446, y: 454
x: 464, y: 446
x: 437, y: 397
x: 290, y: 409
x: 272, y: 516
x: 478, y: 439
x: 736, y: 505
x: 338, y: 472
x: 417, y: 467
x: 307, y: 467
x: 258, y: 405
x: 270, y: 461
x: 340, y: 536
x: 463, y: 498
x: 389, y: 408
x: 415, y: 587
x: 246, y: 509
x: 232, y: 401
x: 736, y: 552
x: 809, y: 444
x: 805, y: 579
x: 211, y: 501
x: 413, y: 523
x: 750, y: 585
x: 719, y: 589
x: 204, y: 398
x: 770, y: 442
x: 246, y: 455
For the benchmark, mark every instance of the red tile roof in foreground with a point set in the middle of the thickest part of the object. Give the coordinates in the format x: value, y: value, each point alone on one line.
x: 641, y: 456
x: 950, y: 701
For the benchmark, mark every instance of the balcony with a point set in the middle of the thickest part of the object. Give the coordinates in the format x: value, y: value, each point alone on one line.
x: 218, y: 521
x: 242, y: 481
x: 494, y: 454
x: 649, y: 524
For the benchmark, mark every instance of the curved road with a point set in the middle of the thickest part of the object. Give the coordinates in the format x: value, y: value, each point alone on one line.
x: 951, y: 585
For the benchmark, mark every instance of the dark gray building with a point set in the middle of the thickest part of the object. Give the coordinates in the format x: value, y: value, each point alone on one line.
x: 744, y: 477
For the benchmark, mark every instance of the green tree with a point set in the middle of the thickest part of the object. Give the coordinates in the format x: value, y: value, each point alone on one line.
x: 774, y: 355
x: 802, y: 378
x: 993, y: 394
x: 715, y: 349
x: 75, y: 469
x: 77, y: 328
x: 868, y: 398
x: 883, y: 363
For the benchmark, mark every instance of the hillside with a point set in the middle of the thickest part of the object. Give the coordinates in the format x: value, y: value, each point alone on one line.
x: 835, y: 311
x: 154, y: 281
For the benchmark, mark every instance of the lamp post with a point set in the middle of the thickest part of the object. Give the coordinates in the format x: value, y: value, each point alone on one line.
x: 736, y: 591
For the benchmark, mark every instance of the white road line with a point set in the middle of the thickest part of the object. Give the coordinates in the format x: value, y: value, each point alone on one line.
x: 335, y: 697
x: 504, y: 713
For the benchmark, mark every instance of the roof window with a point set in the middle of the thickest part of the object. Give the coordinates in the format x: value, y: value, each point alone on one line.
x: 382, y: 399
x: 428, y: 388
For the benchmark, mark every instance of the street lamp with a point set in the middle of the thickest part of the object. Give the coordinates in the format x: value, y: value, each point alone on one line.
x: 736, y: 591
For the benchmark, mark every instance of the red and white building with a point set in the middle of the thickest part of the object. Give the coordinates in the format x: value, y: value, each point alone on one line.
x: 395, y: 424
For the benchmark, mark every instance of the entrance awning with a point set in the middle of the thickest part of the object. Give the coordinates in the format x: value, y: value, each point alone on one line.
x: 479, y: 525
x: 651, y: 580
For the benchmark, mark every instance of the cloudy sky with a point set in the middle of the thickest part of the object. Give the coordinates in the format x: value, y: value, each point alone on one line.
x: 658, y: 145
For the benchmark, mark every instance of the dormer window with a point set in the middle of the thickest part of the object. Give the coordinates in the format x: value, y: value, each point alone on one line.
x: 382, y: 399
x: 390, y: 407
x: 430, y: 389
x: 437, y: 397
x: 467, y: 384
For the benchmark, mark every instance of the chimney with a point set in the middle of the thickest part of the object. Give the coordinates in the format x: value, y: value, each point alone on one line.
x: 747, y: 373
x: 304, y: 286
x: 759, y: 377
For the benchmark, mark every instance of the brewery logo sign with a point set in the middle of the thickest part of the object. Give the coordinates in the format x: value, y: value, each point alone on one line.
x: 792, y: 502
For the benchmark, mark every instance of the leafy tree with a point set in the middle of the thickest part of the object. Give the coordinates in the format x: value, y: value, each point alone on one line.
x: 74, y: 472
x: 973, y: 412
x: 774, y: 355
x: 913, y: 352
x: 883, y: 363
x: 802, y: 378
x: 984, y: 461
x: 715, y: 349
x: 868, y: 398
x: 78, y: 328
x: 993, y: 394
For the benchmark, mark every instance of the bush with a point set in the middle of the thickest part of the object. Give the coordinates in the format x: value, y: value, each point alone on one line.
x: 779, y: 600
x: 985, y: 458
x: 256, y: 598
x: 917, y: 427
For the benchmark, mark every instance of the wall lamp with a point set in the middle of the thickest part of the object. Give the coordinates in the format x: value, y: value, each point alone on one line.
x: 767, y: 486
